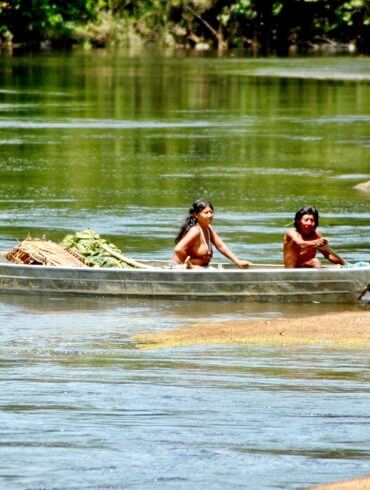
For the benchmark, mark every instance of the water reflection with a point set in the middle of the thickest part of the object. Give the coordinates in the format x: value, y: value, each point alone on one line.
x: 184, y: 310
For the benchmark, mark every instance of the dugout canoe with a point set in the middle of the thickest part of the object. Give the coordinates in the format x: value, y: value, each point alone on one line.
x: 267, y: 283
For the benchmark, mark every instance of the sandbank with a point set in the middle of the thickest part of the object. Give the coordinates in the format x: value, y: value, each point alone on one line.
x: 360, y: 484
x: 348, y: 329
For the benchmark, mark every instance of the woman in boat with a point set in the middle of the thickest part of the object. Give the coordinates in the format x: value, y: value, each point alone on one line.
x: 196, y: 237
x: 302, y: 242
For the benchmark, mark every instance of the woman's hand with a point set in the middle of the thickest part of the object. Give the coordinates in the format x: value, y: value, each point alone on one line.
x: 243, y: 264
x: 322, y: 242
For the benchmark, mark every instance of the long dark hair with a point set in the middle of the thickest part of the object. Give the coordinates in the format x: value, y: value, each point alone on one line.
x: 190, y: 219
x: 306, y: 210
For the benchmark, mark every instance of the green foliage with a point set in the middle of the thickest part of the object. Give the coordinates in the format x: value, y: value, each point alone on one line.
x: 277, y: 23
x: 91, y: 248
x: 267, y: 24
x: 96, y: 251
x: 37, y: 20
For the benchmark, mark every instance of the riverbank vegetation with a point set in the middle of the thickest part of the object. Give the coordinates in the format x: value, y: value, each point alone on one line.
x: 272, y: 26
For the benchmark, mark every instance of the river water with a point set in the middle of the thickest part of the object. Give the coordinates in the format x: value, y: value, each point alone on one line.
x: 124, y: 144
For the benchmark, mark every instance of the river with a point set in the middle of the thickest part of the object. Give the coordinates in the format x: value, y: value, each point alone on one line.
x: 124, y: 144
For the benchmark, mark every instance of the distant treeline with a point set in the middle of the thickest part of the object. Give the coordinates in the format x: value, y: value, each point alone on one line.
x: 264, y: 26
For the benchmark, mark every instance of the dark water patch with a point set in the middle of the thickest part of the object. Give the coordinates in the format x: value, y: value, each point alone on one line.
x: 318, y: 453
x: 32, y: 408
x: 43, y: 444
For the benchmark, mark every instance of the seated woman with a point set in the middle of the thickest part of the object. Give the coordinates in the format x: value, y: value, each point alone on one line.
x: 302, y: 242
x: 196, y: 236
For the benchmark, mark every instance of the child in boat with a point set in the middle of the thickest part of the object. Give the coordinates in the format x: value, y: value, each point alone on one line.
x: 195, y: 238
x: 302, y: 242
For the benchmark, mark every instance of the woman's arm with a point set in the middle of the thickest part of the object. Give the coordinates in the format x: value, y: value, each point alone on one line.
x: 180, y: 251
x: 224, y: 249
x: 297, y: 239
x: 332, y: 256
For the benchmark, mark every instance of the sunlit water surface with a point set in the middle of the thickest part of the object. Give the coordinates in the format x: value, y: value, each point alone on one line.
x: 124, y: 145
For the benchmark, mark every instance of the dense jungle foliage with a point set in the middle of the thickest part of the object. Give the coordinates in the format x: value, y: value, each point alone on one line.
x: 264, y: 26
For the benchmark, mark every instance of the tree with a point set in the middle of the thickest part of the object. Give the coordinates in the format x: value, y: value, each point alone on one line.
x: 38, y: 20
x: 265, y: 25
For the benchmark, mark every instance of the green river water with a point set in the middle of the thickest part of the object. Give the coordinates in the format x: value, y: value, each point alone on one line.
x: 123, y: 144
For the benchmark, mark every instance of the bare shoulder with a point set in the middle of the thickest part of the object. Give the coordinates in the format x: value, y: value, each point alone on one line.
x: 215, y: 239
x: 193, y: 233
x: 212, y: 231
x: 292, y: 235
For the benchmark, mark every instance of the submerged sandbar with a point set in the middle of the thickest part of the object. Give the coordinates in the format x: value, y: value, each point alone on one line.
x: 346, y: 329
x: 360, y: 484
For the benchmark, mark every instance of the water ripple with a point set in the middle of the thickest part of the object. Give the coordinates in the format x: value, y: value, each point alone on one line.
x: 106, y: 124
